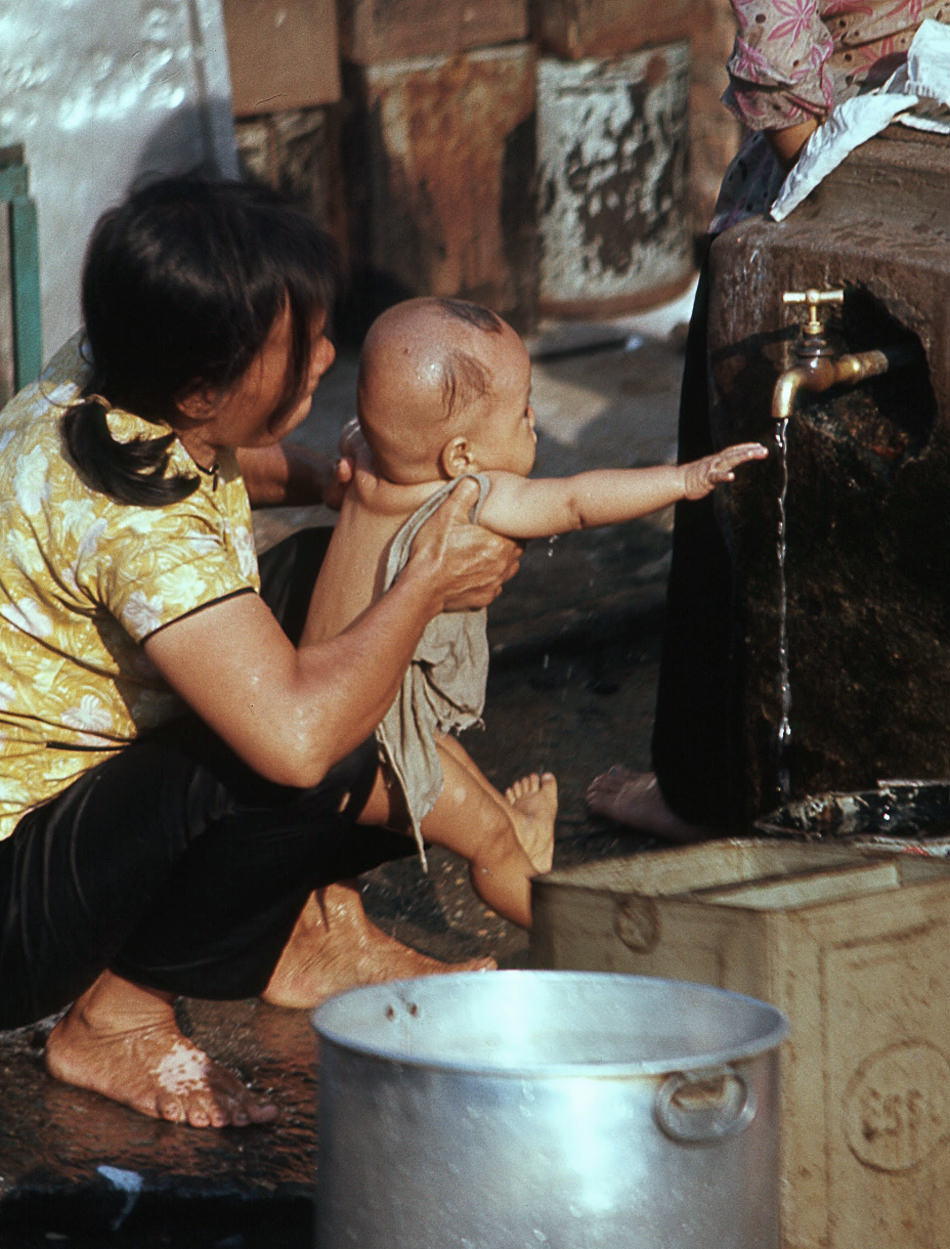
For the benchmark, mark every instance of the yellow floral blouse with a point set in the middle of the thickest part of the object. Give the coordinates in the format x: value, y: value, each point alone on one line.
x: 84, y: 581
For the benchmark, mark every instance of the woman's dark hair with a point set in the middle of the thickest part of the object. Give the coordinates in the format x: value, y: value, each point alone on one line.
x: 181, y: 286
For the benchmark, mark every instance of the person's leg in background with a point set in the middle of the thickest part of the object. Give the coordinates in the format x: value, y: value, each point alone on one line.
x: 688, y: 794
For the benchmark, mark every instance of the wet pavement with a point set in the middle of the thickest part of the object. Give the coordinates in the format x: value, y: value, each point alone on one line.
x: 575, y: 645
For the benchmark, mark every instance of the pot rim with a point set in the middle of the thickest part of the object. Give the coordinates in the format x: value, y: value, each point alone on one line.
x: 332, y: 1021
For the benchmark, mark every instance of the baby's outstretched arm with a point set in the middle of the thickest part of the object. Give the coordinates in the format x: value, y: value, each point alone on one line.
x: 520, y: 507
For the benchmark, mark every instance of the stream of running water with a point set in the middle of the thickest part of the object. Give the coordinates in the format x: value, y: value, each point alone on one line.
x: 784, y: 736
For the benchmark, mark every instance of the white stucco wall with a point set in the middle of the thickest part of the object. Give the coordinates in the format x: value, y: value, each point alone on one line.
x: 101, y: 92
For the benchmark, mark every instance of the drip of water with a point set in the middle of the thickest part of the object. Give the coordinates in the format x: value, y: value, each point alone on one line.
x: 784, y: 686
x: 552, y: 543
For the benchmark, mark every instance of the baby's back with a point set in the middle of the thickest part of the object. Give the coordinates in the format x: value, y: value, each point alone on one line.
x: 351, y: 577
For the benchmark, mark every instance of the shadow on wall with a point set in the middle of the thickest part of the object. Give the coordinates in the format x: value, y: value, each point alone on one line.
x: 186, y: 144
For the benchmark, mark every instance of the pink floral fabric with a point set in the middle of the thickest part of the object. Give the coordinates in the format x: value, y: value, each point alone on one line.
x: 795, y: 59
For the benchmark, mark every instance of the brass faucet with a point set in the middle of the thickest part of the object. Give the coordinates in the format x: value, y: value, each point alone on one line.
x: 817, y: 369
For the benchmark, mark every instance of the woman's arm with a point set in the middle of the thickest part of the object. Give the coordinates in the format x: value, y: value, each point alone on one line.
x: 289, y: 475
x: 788, y: 142
x: 291, y: 713
x: 523, y: 508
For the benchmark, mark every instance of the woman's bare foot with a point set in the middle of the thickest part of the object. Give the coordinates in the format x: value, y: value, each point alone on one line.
x: 634, y: 799
x: 334, y: 946
x: 534, y: 802
x: 122, y: 1041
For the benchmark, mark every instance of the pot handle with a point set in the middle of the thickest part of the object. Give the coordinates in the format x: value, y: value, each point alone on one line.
x: 702, y: 1107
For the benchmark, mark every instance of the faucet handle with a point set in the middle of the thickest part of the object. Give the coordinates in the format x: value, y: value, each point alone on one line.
x: 813, y: 298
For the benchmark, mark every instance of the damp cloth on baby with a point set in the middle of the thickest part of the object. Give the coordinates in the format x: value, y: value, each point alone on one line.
x: 916, y: 95
x: 444, y: 689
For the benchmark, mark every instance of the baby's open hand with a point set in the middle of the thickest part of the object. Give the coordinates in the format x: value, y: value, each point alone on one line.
x: 700, y: 476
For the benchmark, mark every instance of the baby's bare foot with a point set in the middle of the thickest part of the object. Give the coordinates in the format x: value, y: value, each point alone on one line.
x: 123, y: 1042
x: 534, y: 802
x: 334, y: 946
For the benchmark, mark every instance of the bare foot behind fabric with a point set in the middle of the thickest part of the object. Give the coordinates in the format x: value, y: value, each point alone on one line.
x: 635, y: 799
x: 334, y: 946
x: 122, y: 1041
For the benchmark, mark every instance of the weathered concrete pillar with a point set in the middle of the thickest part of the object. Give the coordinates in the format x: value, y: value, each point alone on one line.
x: 605, y: 29
x: 613, y: 161
x: 868, y: 522
x: 439, y: 173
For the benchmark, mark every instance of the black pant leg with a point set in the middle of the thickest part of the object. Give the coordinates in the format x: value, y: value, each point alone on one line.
x: 218, y: 927
x: 693, y: 735
x: 173, y: 862
x: 173, y: 873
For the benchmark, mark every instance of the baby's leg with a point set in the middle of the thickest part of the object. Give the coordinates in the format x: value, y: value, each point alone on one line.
x: 474, y: 820
x: 530, y: 803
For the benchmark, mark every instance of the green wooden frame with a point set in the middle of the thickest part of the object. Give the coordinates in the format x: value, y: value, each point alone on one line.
x: 24, y: 266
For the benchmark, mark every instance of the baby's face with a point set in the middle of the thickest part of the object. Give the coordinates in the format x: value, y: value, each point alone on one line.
x: 505, y: 438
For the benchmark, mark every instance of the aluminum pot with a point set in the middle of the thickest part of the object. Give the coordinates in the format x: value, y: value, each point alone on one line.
x: 548, y: 1110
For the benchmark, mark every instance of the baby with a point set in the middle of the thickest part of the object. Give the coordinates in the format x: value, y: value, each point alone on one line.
x: 444, y: 397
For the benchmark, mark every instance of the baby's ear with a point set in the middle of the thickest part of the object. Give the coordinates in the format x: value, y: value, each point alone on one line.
x: 457, y: 457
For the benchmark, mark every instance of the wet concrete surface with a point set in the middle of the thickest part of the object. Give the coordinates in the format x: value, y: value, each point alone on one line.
x: 575, y: 644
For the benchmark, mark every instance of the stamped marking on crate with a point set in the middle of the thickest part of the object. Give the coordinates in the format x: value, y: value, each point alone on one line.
x: 637, y: 923
x: 896, y: 1107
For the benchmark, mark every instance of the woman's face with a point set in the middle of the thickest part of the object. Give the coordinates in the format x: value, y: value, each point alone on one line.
x: 243, y: 415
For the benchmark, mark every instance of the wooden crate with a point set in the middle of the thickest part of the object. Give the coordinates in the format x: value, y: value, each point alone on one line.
x: 283, y: 54
x: 578, y: 28
x: 21, y: 335
x: 855, y: 948
x: 371, y: 32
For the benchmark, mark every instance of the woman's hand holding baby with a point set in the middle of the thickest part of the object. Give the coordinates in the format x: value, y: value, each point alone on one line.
x: 702, y: 476
x: 465, y: 564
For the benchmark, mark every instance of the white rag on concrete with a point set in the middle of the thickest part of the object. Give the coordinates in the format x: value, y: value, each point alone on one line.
x: 917, y: 95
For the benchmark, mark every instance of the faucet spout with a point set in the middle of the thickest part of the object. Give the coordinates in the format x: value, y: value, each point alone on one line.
x: 820, y: 373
